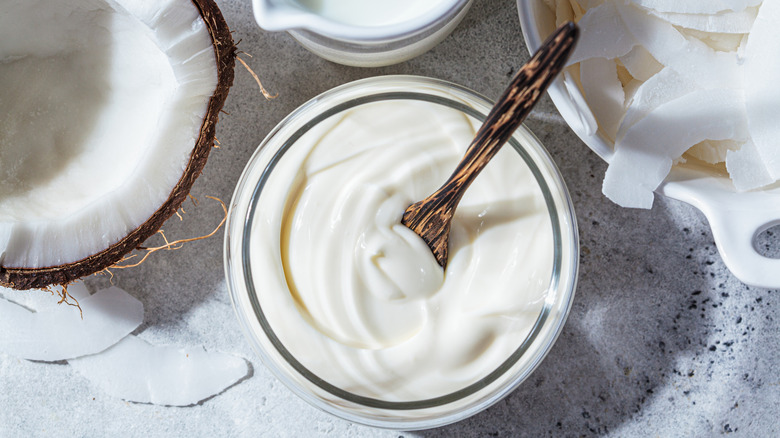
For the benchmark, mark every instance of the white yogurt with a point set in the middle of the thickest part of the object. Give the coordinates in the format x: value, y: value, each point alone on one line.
x: 357, y: 298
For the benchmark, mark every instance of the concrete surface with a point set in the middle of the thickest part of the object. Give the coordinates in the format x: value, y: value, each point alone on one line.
x: 662, y: 340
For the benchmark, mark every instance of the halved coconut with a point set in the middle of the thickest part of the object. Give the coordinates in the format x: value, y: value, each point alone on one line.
x: 108, y: 115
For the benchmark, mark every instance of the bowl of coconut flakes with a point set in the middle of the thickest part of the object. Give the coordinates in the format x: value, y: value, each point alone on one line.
x: 679, y: 97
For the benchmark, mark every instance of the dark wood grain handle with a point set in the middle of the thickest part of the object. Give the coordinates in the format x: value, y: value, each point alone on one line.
x: 528, y: 85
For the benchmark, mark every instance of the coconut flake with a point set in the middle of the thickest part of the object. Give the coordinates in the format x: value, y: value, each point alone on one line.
x: 762, y: 94
x: 720, y: 42
x: 696, y: 6
x: 603, y: 92
x: 640, y: 63
x: 590, y: 4
x: 603, y: 35
x: 666, y: 86
x: 577, y: 10
x: 630, y: 90
x: 723, y: 22
x: 623, y: 74
x: 645, y: 155
x: 563, y: 12
x: 57, y: 333
x: 587, y: 121
x: 688, y: 56
x: 713, y: 151
x: 746, y: 168
x: 136, y: 371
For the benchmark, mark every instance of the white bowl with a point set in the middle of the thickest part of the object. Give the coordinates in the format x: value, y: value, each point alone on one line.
x: 736, y: 218
x: 361, y: 45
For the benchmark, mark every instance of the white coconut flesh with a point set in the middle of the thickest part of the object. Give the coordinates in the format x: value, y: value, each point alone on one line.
x: 102, y: 104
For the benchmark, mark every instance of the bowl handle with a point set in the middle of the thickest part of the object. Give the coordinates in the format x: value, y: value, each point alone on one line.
x: 734, y: 233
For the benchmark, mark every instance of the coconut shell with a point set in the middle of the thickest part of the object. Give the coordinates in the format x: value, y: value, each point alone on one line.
x: 225, y: 52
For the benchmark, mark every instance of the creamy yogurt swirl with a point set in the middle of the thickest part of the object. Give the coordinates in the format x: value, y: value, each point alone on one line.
x: 357, y: 298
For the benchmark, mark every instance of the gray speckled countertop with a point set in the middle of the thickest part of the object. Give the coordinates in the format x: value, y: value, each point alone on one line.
x: 662, y: 340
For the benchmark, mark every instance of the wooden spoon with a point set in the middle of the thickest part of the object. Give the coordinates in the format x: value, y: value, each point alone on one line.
x: 431, y: 217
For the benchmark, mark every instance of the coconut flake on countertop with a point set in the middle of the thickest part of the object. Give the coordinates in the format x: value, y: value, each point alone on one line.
x: 137, y: 371
x: 58, y: 332
x: 687, y: 57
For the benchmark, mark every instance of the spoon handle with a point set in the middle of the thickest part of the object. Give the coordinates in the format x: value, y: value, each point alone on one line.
x: 433, y: 214
x: 528, y: 85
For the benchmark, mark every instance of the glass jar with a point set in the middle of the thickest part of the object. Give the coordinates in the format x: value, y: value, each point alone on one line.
x: 247, y: 288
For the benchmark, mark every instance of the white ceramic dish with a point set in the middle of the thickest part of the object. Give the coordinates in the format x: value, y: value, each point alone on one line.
x: 736, y: 219
x: 361, y: 46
